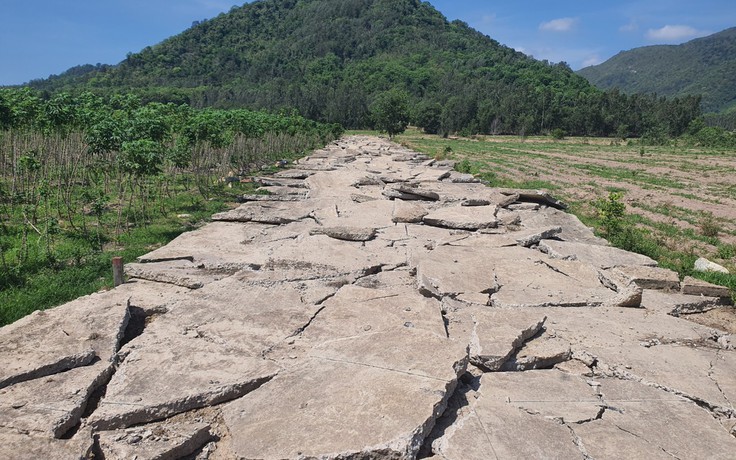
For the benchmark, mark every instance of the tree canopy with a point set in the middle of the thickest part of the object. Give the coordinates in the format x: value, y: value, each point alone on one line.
x: 329, y: 59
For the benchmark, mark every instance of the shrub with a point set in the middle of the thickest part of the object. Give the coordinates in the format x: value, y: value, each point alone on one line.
x: 558, y: 134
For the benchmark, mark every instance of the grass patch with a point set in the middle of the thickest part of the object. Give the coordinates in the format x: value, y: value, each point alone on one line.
x: 80, y: 267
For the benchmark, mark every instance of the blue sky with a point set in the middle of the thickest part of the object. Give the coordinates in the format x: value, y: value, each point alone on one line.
x: 43, y: 37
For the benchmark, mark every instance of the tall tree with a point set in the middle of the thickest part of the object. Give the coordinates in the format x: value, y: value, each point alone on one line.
x: 390, y: 112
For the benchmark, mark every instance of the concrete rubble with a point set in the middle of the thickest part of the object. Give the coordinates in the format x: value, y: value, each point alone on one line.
x: 377, y: 305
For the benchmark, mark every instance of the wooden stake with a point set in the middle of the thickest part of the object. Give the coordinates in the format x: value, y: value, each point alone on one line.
x: 117, y: 271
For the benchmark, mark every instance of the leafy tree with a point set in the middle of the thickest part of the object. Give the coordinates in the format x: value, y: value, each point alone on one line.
x: 390, y: 112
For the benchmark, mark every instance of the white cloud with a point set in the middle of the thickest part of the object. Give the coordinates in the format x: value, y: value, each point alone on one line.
x: 593, y: 59
x: 559, y: 25
x: 670, y: 33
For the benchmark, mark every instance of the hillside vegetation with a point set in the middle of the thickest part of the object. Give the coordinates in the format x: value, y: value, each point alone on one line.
x: 330, y: 59
x: 705, y: 66
x: 85, y: 178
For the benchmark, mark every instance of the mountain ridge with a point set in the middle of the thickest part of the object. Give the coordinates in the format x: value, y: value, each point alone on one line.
x: 329, y: 59
x: 705, y: 66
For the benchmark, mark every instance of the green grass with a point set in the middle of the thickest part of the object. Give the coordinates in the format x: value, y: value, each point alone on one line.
x: 78, y: 266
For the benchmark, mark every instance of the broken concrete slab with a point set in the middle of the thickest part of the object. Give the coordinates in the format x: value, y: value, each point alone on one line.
x: 294, y: 174
x: 595, y: 254
x: 52, y: 341
x: 492, y: 427
x: 177, y: 272
x: 572, y: 228
x: 522, y: 206
x: 356, y: 311
x: 541, y: 352
x: 346, y: 233
x: 406, y: 192
x: 175, y: 375
x: 683, y: 430
x: 24, y: 446
x: 676, y: 304
x: 54, y: 404
x: 499, y: 332
x: 444, y: 273
x: 372, y: 214
x: 550, y: 394
x: 476, y: 202
x: 645, y: 277
x: 536, y: 196
x: 159, y: 441
x: 280, y: 182
x: 463, y: 217
x: 529, y: 281
x: 268, y: 213
x: 311, y: 411
x: 271, y: 197
x: 529, y: 238
x: 694, y: 286
x: 408, y: 212
x: 404, y: 349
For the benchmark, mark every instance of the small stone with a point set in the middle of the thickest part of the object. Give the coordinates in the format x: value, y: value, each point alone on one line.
x: 705, y: 265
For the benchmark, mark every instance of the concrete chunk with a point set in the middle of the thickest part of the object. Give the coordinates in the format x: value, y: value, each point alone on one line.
x: 647, y: 277
x: 346, y: 233
x: 408, y: 212
x: 536, y: 196
x: 499, y: 332
x: 267, y: 213
x: 705, y: 265
x: 159, y: 441
x: 174, y: 376
x: 595, y: 254
x: 541, y: 352
x: 22, y: 446
x: 62, y: 338
x: 177, y: 272
x: 52, y: 405
x: 529, y: 238
x: 333, y: 409
x: 694, y: 286
x: 463, y: 217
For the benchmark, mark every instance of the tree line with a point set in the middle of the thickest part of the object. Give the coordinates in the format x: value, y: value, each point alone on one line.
x: 331, y: 60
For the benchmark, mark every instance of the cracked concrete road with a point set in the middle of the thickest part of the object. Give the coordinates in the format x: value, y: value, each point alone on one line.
x: 377, y: 305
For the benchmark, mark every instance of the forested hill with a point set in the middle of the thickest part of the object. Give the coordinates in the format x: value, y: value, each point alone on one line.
x: 705, y: 66
x: 330, y: 58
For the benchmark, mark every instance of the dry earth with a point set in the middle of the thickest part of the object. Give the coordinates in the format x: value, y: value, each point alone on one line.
x: 378, y: 305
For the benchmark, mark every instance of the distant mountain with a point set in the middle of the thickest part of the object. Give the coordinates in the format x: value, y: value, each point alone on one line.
x: 330, y: 59
x: 705, y: 66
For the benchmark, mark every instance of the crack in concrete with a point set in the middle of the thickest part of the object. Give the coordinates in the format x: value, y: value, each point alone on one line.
x: 373, y: 366
x: 715, y: 381
x: 301, y: 330
x: 631, y: 433
x: 554, y: 269
x: 578, y: 441
x: 716, y: 411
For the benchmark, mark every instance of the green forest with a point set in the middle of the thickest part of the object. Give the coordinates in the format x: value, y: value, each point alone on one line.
x: 331, y: 59
x: 86, y: 177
